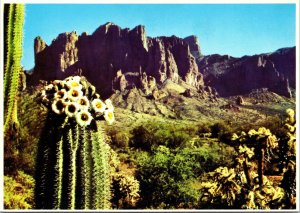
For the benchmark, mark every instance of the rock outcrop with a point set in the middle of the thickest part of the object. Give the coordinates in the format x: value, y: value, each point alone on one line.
x: 234, y: 76
x: 116, y: 59
x: 194, y: 45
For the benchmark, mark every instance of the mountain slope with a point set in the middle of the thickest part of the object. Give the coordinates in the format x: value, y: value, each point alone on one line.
x: 234, y: 76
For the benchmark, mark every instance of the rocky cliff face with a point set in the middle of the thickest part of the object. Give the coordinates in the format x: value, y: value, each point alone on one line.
x: 194, y: 45
x: 117, y: 59
x: 233, y: 76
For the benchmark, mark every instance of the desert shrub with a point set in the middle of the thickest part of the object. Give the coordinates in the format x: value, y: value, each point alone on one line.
x: 142, y: 138
x: 150, y: 136
x: 124, y: 187
x: 203, y: 128
x: 125, y: 190
x: 119, y: 139
x: 21, y: 146
x: 166, y: 176
x: 171, y: 138
x: 18, y: 191
x: 222, y: 131
x: 273, y: 123
x: 220, y: 128
x: 216, y: 154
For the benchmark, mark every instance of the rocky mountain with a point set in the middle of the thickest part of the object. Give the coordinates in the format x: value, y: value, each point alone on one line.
x: 119, y: 60
x: 234, y: 76
x: 116, y: 59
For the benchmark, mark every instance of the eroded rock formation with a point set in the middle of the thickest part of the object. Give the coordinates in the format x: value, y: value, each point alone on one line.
x: 116, y: 59
x: 234, y: 76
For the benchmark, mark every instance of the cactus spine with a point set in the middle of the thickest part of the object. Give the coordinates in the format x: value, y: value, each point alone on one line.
x: 77, y: 176
x: 73, y: 169
x: 14, y: 39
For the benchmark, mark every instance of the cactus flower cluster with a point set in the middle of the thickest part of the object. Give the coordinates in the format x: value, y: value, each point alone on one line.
x: 73, y: 98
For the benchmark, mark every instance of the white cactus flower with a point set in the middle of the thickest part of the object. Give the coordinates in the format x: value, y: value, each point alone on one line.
x: 98, y: 106
x: 74, y: 94
x: 109, y: 116
x: 84, y: 118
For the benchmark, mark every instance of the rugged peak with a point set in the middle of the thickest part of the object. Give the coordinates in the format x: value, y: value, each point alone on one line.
x: 139, y: 29
x: 39, y: 45
x: 106, y: 28
x: 194, y: 45
x: 118, y: 59
x: 139, y: 33
x: 66, y: 35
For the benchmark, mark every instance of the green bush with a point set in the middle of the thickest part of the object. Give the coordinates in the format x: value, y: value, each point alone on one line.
x: 203, y: 128
x: 18, y: 191
x: 21, y: 146
x: 146, y: 137
x: 119, y: 138
x: 142, y: 138
x: 219, y: 129
x: 273, y: 123
x: 166, y: 177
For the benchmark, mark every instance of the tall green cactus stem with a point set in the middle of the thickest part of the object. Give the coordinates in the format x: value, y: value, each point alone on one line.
x: 73, y: 169
x: 100, y: 152
x: 14, y: 39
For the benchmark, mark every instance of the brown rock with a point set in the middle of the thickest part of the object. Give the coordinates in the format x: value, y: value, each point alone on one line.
x: 157, y: 94
x: 234, y: 76
x: 101, y: 55
x: 239, y: 100
x: 188, y: 93
x: 194, y: 45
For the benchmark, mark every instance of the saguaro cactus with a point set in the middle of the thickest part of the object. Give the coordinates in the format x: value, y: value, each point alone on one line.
x: 72, y: 165
x: 14, y: 37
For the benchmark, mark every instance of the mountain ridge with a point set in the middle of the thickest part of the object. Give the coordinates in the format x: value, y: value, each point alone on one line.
x: 275, y: 71
x: 119, y: 59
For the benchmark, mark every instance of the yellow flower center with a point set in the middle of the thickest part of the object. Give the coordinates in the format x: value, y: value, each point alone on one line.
x: 110, y: 115
x: 98, y: 105
x: 74, y: 84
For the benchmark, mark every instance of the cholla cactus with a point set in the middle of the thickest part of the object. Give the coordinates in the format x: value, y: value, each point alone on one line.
x: 246, y: 186
x: 291, y: 133
x: 266, y: 197
x: 73, y: 169
x: 222, y: 187
x: 126, y: 190
x: 258, y: 143
x: 289, y: 180
x: 229, y: 188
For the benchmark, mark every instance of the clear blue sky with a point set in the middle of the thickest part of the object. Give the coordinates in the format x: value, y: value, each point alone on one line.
x: 234, y: 29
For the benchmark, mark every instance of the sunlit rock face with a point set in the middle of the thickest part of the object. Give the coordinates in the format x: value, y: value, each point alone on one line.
x: 117, y: 59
